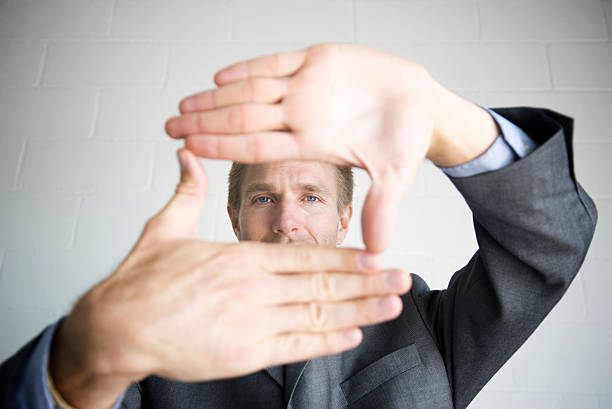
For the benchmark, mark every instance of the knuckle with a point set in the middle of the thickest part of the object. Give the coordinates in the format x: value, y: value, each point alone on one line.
x: 250, y: 68
x: 324, y: 287
x: 375, y: 284
x: 255, y: 149
x: 318, y: 316
x: 213, y: 99
x: 236, y: 119
x: 153, y: 223
x: 150, y: 224
x: 280, y: 117
x: 294, y: 344
x: 275, y: 64
x: 188, y: 189
x: 326, y: 50
x: 201, y: 123
x: 249, y: 90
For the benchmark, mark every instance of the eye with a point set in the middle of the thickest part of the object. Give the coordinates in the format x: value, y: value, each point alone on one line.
x: 263, y: 199
x: 311, y: 198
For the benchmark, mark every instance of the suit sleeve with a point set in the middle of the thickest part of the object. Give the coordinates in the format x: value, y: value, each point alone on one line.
x: 23, y: 382
x: 23, y: 377
x: 533, y: 224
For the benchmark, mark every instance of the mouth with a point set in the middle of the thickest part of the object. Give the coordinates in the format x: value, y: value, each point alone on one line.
x: 285, y: 240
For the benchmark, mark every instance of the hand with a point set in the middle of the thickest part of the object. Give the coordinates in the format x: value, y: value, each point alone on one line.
x: 338, y: 103
x: 188, y: 310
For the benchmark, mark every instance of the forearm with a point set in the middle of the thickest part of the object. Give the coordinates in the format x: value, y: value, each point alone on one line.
x: 81, y: 376
x: 462, y: 130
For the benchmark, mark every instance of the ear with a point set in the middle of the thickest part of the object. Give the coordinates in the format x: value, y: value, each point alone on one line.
x: 343, y: 223
x: 234, y: 219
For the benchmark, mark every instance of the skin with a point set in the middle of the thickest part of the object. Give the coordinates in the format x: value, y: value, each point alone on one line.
x: 291, y: 202
x: 342, y: 104
x: 336, y: 103
x: 144, y: 318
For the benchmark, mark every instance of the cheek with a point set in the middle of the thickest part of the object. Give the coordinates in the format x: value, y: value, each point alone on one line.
x: 253, y: 227
x: 324, y: 227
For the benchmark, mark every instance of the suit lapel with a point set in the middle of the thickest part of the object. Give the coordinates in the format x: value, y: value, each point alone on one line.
x: 315, y: 383
x: 288, y: 375
x: 276, y: 373
x: 293, y: 373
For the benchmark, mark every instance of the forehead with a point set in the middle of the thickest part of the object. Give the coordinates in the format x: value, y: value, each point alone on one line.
x: 291, y: 174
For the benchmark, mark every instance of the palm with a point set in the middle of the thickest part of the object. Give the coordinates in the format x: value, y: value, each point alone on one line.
x: 339, y: 103
x: 337, y: 109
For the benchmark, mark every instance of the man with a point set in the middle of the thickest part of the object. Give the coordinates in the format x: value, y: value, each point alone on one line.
x: 179, y: 310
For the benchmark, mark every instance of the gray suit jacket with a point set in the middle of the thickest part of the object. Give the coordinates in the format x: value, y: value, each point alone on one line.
x: 533, y: 223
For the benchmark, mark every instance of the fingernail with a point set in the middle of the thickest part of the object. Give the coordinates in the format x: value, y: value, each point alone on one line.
x: 396, y: 280
x: 369, y: 261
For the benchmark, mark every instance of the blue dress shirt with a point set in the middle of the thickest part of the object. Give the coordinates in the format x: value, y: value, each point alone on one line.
x: 512, y: 144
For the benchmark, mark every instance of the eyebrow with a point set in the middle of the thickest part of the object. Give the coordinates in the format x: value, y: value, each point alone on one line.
x: 267, y: 187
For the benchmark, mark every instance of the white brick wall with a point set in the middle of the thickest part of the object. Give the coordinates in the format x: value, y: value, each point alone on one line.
x: 105, y: 64
x: 428, y: 21
x: 543, y: 20
x: 310, y: 21
x: 164, y: 20
x: 581, y: 65
x: 86, y: 85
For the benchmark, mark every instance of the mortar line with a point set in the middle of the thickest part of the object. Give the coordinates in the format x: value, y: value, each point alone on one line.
x: 478, y: 19
x: 354, y: 28
x: 549, y: 66
x: 20, y: 161
x: 109, y: 30
x: 150, y: 176
x: 166, y: 67
x: 96, y: 111
x: 75, y: 225
x: 39, y: 75
x: 606, y: 17
x: 230, y: 14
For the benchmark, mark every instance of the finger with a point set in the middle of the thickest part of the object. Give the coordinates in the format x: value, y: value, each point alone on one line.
x: 179, y: 218
x: 322, y: 316
x: 233, y: 119
x: 273, y: 65
x: 330, y: 287
x: 252, y: 90
x: 249, y: 148
x: 297, y: 347
x: 380, y: 211
x: 304, y: 258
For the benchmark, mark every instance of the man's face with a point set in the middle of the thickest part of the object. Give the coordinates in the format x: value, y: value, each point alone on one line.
x: 290, y: 202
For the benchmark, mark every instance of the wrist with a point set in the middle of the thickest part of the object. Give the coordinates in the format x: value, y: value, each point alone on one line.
x: 462, y: 130
x: 78, y: 372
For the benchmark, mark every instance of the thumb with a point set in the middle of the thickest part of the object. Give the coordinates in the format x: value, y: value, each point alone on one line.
x: 179, y: 219
x: 379, y: 212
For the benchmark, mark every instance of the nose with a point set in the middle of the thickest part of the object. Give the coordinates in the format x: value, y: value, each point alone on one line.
x: 286, y: 221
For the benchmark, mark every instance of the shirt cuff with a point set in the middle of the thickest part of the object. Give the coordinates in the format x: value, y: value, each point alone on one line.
x: 512, y: 144
x: 33, y: 390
